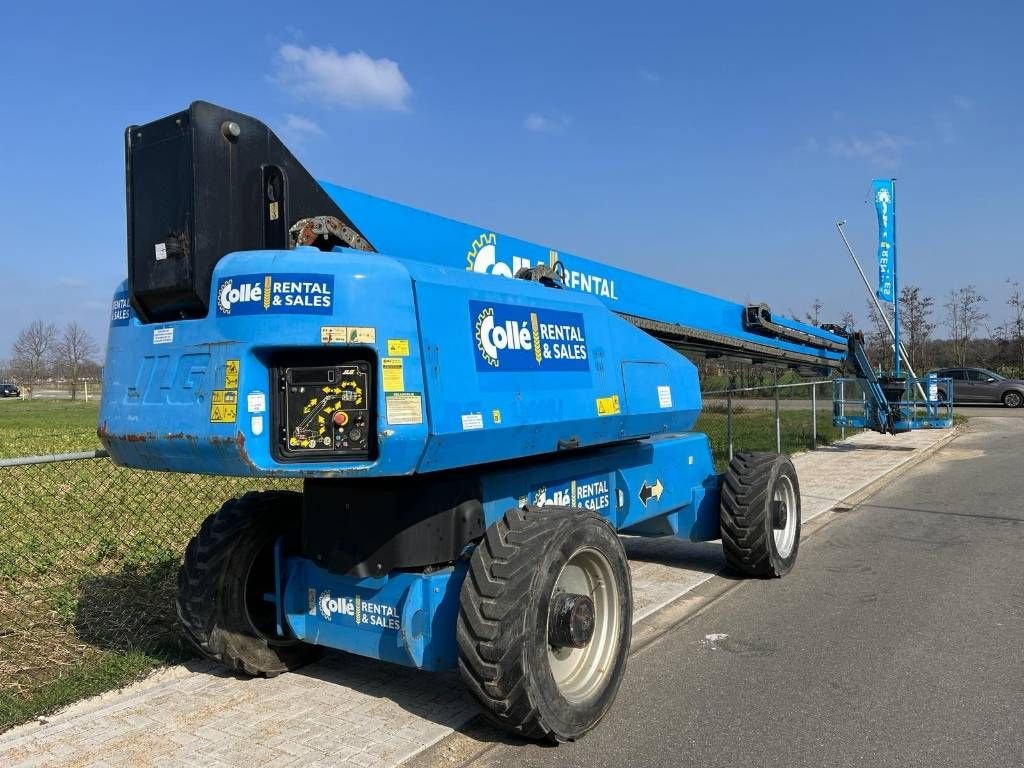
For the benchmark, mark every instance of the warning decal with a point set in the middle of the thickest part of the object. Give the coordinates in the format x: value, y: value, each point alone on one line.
x: 392, y: 374
x: 224, y: 406
x: 231, y: 368
x: 608, y: 406
x: 404, y: 407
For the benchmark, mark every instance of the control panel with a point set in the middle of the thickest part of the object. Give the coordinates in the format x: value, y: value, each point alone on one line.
x: 324, y: 412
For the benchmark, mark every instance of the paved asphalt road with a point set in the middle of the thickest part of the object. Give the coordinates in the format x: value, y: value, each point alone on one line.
x: 898, y: 640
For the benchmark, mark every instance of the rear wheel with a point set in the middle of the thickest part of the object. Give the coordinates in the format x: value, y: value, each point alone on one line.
x: 545, y: 620
x: 227, y: 569
x: 1013, y: 399
x: 760, y: 514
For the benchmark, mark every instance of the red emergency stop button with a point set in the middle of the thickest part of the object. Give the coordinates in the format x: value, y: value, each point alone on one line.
x: 341, y: 418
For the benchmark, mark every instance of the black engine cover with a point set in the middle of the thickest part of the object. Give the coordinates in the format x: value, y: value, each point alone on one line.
x: 370, y: 526
x: 201, y: 184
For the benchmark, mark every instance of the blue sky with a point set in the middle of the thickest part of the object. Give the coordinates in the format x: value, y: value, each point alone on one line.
x: 713, y: 145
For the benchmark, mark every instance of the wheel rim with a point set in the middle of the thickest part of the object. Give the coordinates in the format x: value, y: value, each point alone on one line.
x: 785, y: 536
x: 261, y: 614
x: 1013, y: 400
x: 581, y: 673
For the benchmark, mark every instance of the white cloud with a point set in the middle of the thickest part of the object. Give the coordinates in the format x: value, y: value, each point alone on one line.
x: 881, y: 148
x: 297, y: 125
x: 351, y: 79
x: 537, y: 123
x: 296, y: 129
x: 649, y: 75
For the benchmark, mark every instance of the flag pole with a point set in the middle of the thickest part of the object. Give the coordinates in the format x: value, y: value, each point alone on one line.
x: 895, y: 289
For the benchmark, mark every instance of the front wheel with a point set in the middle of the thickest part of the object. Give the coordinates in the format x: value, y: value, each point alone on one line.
x: 760, y: 514
x: 545, y: 620
x: 1013, y: 399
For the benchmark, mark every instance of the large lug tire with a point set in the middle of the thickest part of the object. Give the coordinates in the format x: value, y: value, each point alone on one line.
x: 760, y: 514
x: 227, y: 568
x: 1013, y: 399
x: 545, y: 621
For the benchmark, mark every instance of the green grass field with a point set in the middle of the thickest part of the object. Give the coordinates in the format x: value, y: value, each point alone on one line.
x: 90, y: 551
x: 30, y: 427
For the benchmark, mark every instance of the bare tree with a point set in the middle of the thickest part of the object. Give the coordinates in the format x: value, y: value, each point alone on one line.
x: 963, y: 317
x: 1012, y: 331
x: 877, y: 339
x: 74, y: 352
x: 848, y: 320
x: 34, y: 349
x: 814, y: 316
x: 915, y: 323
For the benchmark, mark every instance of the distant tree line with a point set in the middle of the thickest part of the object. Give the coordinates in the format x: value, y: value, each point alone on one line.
x: 43, y: 352
x: 967, y: 338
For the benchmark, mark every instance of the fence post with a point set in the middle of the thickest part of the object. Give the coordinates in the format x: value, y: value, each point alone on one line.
x: 842, y: 407
x: 728, y: 420
x: 814, y: 416
x: 778, y: 425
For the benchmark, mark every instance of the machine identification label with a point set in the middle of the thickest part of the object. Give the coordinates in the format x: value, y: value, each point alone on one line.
x: 292, y: 293
x: 404, y: 407
x: 163, y: 335
x: 511, y: 337
x: 472, y: 421
x: 665, y: 397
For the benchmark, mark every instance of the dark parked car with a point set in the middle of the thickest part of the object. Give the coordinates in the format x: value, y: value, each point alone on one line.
x: 977, y: 385
x: 9, y: 390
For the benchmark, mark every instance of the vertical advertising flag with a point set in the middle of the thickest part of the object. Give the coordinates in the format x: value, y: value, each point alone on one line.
x: 883, y: 194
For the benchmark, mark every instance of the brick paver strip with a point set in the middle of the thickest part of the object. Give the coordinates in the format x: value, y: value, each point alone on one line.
x: 349, y: 711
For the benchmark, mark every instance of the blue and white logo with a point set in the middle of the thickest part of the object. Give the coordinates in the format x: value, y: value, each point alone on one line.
x: 120, y: 309
x: 509, y: 337
x: 297, y: 294
x: 885, y: 208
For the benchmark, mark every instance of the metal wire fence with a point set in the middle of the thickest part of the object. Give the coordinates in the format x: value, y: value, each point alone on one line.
x: 89, y: 554
x: 785, y: 418
x: 89, y: 551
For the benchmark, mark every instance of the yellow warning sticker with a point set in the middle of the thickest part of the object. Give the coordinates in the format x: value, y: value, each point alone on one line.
x: 333, y: 334
x: 224, y: 396
x: 496, y: 416
x: 398, y: 347
x: 392, y: 374
x: 231, y: 368
x: 608, y: 406
x: 224, y: 406
x: 404, y: 407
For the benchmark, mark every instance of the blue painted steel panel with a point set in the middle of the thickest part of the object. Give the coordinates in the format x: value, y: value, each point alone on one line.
x: 405, y: 618
x: 410, y: 233
x: 162, y: 382
x: 664, y: 485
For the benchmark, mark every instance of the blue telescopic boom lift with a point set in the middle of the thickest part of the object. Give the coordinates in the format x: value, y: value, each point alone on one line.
x: 473, y: 418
